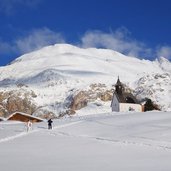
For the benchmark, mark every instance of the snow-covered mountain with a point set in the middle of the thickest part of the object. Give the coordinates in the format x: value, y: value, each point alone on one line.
x: 54, y: 73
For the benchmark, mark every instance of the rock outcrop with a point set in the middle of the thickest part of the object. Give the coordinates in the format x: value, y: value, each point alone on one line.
x: 12, y: 101
x: 80, y: 99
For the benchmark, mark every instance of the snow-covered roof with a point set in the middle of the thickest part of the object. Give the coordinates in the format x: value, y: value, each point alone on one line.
x: 26, y: 115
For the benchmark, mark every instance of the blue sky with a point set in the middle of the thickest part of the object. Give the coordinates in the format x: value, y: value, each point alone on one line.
x: 140, y: 28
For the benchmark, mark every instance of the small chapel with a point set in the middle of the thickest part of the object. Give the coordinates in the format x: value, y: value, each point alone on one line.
x: 123, y: 101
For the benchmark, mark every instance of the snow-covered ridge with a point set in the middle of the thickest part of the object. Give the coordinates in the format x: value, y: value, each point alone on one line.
x: 53, y: 71
x: 164, y: 64
x: 64, y: 56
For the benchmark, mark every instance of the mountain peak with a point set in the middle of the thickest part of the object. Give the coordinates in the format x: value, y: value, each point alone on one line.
x: 163, y: 59
x: 54, y: 72
x: 164, y: 63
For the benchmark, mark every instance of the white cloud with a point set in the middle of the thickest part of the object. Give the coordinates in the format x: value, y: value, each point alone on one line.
x: 33, y: 40
x: 118, y: 40
x: 37, y: 39
x: 164, y: 51
x: 9, y: 6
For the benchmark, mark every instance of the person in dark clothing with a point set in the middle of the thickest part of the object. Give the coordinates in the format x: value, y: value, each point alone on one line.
x: 50, y: 124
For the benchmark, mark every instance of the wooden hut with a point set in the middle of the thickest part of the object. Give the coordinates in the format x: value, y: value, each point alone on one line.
x: 23, y: 117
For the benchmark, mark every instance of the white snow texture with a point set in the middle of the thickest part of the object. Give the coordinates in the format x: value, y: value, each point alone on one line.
x: 53, y: 71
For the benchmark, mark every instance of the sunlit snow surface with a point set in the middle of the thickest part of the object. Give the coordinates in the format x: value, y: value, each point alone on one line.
x: 110, y: 141
x: 55, y: 72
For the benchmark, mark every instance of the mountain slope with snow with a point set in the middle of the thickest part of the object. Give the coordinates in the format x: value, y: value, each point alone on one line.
x: 74, y: 61
x: 54, y: 72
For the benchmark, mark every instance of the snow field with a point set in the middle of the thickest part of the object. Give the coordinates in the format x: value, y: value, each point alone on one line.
x: 109, y: 141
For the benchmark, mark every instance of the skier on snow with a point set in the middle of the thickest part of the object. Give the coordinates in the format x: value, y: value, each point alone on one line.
x: 50, y: 124
x: 29, y: 125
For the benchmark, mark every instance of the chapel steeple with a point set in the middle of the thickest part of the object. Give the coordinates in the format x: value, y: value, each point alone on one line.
x: 119, y: 87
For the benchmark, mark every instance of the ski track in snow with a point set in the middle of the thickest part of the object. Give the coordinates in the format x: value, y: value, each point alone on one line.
x: 66, y: 125
x: 101, y: 139
x: 73, y: 122
x: 77, y: 120
x: 33, y: 131
x: 110, y: 140
x: 16, y: 136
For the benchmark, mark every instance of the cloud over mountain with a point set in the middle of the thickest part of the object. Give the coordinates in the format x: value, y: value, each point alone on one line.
x: 37, y: 39
x: 164, y: 51
x: 30, y: 41
x: 119, y: 40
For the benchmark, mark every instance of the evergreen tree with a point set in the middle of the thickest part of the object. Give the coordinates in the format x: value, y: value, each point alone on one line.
x: 149, y: 105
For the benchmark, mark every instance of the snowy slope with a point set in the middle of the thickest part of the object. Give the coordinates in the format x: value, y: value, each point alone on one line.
x: 52, y: 72
x: 109, y: 141
x: 71, y: 60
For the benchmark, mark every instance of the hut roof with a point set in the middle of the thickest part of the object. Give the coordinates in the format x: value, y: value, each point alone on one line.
x: 19, y: 116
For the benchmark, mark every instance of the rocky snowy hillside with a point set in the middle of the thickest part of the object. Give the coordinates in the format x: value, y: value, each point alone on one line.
x: 64, y: 79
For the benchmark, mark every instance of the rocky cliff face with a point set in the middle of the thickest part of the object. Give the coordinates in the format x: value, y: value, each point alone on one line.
x: 23, y: 100
x: 16, y: 100
x: 80, y: 99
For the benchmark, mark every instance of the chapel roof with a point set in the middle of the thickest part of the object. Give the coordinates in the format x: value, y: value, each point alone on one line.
x: 122, y: 95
